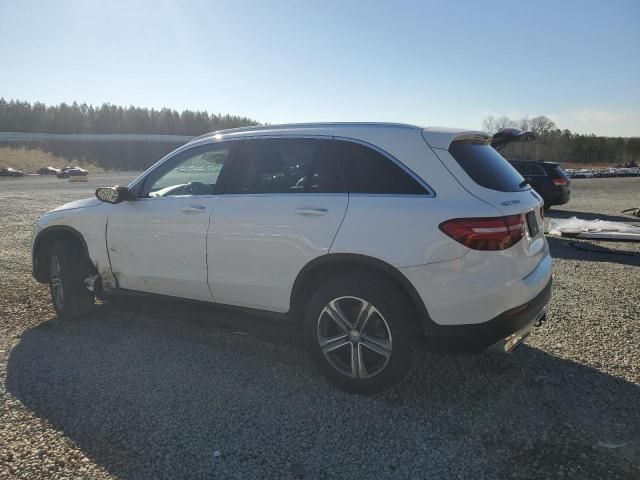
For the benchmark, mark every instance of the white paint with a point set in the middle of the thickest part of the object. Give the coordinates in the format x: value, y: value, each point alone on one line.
x: 158, y: 245
x: 247, y: 250
x: 259, y: 243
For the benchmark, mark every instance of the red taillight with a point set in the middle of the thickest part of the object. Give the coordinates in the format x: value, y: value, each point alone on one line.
x: 559, y: 181
x: 542, y: 211
x: 490, y: 233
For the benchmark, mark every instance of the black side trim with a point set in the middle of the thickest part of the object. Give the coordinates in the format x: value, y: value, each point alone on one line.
x: 474, y: 338
x: 35, y: 252
x: 247, y: 310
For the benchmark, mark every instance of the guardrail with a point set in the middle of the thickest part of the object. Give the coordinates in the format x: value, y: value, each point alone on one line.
x: 83, y: 137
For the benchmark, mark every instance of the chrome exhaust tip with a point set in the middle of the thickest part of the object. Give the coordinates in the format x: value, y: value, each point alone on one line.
x: 510, y: 343
x: 513, y: 341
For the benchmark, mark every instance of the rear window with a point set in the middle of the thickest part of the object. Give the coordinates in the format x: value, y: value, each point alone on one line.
x: 559, y: 172
x: 486, y: 166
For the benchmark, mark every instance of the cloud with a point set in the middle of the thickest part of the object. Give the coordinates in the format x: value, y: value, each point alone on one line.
x: 601, y: 122
x: 605, y: 122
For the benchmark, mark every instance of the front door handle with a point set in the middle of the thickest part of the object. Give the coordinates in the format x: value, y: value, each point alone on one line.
x: 312, y: 211
x: 192, y: 208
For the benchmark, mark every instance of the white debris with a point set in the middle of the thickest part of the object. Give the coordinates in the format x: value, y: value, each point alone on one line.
x: 576, y: 227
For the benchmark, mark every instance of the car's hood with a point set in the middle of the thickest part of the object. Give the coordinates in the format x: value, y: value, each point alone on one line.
x: 87, y: 202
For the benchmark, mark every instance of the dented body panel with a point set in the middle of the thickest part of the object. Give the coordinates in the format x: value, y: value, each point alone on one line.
x: 87, y: 219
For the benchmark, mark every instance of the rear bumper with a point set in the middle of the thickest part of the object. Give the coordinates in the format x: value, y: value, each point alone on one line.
x: 474, y: 338
x: 480, y: 286
x: 558, y: 196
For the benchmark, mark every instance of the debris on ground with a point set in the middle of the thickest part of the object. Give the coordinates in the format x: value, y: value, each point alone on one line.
x: 635, y: 212
x: 596, y: 229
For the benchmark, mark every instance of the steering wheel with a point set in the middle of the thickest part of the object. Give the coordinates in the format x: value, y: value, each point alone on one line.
x: 196, y: 188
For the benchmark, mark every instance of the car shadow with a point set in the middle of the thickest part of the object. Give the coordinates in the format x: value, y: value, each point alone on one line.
x: 590, y: 251
x: 154, y: 390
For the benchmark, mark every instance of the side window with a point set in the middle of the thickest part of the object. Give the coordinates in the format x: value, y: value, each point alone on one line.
x: 536, y: 171
x: 368, y: 171
x: 522, y: 169
x: 278, y: 166
x: 327, y: 176
x: 196, y: 174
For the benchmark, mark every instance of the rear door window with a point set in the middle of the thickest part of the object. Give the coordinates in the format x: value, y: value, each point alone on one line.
x: 486, y: 166
x: 277, y: 166
x: 327, y: 175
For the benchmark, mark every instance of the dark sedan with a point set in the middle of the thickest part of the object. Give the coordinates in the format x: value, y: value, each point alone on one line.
x: 11, y: 172
x: 546, y: 178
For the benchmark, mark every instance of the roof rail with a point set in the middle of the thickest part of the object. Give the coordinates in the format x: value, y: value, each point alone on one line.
x: 303, y: 125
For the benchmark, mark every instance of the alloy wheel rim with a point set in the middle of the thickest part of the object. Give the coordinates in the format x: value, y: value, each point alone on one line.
x: 354, y: 337
x: 55, y: 282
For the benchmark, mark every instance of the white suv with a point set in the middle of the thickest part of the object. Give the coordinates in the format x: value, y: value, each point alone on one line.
x: 375, y: 237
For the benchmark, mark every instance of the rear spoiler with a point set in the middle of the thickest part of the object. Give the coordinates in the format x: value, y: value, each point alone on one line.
x: 508, y: 135
x: 444, y: 137
x: 437, y: 137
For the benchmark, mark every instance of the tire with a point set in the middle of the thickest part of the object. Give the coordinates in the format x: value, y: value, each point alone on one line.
x: 385, y: 344
x: 68, y: 267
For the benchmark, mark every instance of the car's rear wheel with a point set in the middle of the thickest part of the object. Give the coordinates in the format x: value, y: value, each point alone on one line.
x: 359, y: 332
x: 68, y: 269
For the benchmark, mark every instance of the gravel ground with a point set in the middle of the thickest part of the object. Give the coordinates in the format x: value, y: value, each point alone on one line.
x: 150, y: 389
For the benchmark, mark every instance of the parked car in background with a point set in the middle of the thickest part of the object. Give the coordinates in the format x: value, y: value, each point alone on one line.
x: 582, y: 173
x: 11, y: 172
x: 49, y: 171
x: 546, y: 178
x: 374, y: 238
x: 67, y: 172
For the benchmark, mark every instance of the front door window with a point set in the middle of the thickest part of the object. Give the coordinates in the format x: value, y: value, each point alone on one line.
x: 195, y: 175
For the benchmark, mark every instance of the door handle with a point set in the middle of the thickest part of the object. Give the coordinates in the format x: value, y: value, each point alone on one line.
x: 193, y: 208
x: 312, y: 211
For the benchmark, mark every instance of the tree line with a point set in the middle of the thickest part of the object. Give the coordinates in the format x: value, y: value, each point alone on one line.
x: 19, y: 116
x: 556, y: 145
x: 551, y: 143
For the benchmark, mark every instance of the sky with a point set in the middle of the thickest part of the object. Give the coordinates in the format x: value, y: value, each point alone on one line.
x: 430, y: 63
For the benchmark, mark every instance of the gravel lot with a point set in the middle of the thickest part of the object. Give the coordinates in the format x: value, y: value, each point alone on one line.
x: 167, y: 390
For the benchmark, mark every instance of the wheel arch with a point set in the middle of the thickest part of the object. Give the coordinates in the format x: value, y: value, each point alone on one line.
x: 43, y: 242
x: 337, y: 263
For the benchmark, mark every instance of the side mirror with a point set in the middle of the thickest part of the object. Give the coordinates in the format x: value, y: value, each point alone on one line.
x: 114, y: 194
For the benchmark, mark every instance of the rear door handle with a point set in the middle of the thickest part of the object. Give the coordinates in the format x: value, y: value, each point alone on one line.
x: 193, y: 208
x: 312, y: 211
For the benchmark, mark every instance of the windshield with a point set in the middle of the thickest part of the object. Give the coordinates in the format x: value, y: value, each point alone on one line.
x: 486, y: 166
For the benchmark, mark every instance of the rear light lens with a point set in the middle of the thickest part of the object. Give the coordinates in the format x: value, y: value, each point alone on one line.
x: 559, y: 181
x: 490, y: 233
x: 542, y: 211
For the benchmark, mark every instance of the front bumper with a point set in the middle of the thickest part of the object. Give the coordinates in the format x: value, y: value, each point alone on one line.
x: 474, y: 338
